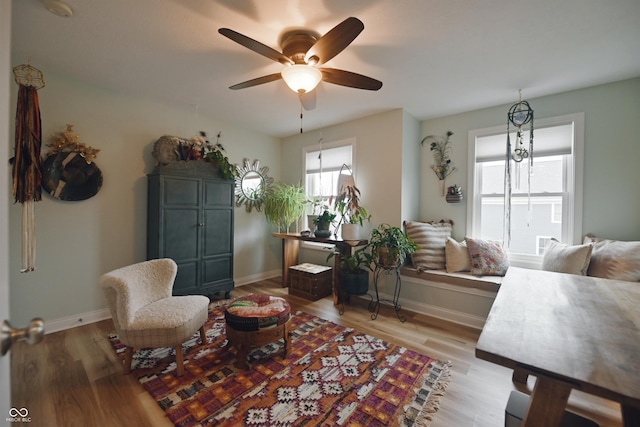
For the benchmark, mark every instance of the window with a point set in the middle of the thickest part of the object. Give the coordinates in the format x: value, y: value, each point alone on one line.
x: 322, y: 166
x: 551, y: 206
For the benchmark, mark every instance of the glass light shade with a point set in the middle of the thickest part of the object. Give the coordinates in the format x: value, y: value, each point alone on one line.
x: 301, y: 78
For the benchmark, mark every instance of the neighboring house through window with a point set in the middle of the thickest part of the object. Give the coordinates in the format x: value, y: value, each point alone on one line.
x: 553, y: 208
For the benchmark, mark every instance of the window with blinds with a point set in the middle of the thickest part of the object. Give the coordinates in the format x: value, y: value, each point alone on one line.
x: 550, y: 204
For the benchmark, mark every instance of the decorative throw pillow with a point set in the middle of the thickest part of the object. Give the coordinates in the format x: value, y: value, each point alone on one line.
x: 456, y: 256
x: 614, y: 259
x: 488, y: 257
x: 431, y: 238
x: 563, y: 258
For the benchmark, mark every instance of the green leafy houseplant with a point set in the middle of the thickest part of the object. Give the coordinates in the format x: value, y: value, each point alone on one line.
x: 285, y: 204
x: 389, y: 246
x: 354, y: 278
x: 348, y: 205
x: 325, y: 220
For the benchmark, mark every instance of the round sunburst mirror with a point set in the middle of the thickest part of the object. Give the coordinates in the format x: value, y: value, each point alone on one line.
x: 252, y: 184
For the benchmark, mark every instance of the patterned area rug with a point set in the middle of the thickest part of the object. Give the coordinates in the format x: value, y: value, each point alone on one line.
x: 333, y: 376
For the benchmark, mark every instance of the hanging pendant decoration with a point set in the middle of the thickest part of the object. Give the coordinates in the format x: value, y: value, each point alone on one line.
x: 519, y: 115
x: 27, y: 164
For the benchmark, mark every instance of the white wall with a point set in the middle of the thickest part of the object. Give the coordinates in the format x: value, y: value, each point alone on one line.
x: 79, y: 241
x: 378, y: 159
x: 611, y: 154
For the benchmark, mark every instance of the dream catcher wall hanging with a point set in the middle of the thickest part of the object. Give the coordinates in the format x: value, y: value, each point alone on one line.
x: 26, y: 163
x: 519, y: 115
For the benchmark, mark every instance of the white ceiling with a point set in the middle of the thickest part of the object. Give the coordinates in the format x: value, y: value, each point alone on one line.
x: 435, y: 57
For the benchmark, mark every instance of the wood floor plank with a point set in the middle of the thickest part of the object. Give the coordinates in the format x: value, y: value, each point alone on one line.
x: 74, y: 377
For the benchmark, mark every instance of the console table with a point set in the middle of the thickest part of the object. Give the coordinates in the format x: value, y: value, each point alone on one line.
x: 291, y: 251
x: 571, y: 332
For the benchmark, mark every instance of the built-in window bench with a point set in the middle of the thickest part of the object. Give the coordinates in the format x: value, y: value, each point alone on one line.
x: 457, y: 297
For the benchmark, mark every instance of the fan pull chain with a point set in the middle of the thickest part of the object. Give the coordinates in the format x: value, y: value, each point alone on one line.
x: 300, y: 117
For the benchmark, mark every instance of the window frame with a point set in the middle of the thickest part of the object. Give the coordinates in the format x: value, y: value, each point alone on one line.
x: 571, y: 216
x: 326, y: 146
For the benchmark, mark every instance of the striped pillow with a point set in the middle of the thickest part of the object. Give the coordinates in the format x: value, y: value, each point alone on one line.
x: 431, y: 237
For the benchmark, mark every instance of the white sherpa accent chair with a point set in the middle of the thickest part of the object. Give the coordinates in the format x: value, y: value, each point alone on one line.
x: 144, y: 312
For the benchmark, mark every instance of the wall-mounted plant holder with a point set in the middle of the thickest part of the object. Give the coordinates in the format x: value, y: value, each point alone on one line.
x: 454, y: 194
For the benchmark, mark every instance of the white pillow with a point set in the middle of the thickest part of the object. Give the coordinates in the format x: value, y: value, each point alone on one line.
x: 563, y: 258
x: 457, y: 256
x: 614, y: 259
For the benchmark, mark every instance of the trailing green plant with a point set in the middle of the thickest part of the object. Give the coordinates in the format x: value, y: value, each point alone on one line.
x: 392, y: 240
x: 284, y: 204
x: 214, y: 153
x: 325, y: 220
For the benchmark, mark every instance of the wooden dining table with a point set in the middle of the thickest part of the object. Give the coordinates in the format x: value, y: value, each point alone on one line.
x: 570, y: 332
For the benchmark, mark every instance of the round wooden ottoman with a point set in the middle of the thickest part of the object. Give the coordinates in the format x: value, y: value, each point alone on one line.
x: 256, y: 320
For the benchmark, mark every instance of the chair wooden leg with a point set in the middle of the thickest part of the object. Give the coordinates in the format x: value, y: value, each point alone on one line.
x: 128, y: 357
x: 203, y: 335
x: 179, y: 360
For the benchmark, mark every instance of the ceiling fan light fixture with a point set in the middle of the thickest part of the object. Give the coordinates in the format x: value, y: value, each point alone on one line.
x: 301, y: 78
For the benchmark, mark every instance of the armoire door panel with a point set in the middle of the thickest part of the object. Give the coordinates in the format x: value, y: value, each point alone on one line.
x: 181, y: 234
x: 217, y: 269
x: 187, y: 278
x: 181, y: 192
x: 217, y: 232
x: 218, y: 194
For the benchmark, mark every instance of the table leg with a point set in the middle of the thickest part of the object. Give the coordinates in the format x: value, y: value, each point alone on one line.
x: 337, y: 289
x: 630, y: 416
x: 290, y: 252
x: 520, y: 376
x: 548, y: 401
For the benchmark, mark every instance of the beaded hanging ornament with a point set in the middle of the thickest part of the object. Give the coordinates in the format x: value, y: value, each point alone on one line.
x: 519, y: 114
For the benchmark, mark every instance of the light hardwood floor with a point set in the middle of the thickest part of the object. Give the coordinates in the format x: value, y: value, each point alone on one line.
x: 73, y: 378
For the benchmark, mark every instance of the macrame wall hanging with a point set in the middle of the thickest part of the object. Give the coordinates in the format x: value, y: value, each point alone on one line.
x: 27, y: 164
x: 519, y: 115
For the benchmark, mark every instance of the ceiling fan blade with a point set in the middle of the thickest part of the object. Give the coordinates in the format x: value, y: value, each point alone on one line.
x: 349, y: 79
x: 308, y: 100
x: 334, y: 41
x: 257, y: 81
x: 255, y: 46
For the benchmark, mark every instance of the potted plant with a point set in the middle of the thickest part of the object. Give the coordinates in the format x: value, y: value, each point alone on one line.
x: 285, y: 204
x: 351, y: 212
x: 354, y: 277
x: 317, y: 205
x: 390, y: 246
x: 323, y: 224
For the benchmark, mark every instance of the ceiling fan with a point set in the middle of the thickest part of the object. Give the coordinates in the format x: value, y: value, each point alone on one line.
x: 302, y: 53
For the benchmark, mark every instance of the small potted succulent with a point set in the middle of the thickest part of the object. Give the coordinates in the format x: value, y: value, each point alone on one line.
x: 323, y: 224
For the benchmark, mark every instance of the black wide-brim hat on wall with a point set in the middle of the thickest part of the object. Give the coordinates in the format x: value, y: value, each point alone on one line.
x: 67, y: 176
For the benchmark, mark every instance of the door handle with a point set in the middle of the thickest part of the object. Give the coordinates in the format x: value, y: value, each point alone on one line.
x: 32, y: 334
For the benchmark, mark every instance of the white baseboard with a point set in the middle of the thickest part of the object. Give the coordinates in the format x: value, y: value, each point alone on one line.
x: 257, y: 277
x: 80, y: 319
x: 453, y: 316
x: 69, y: 322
